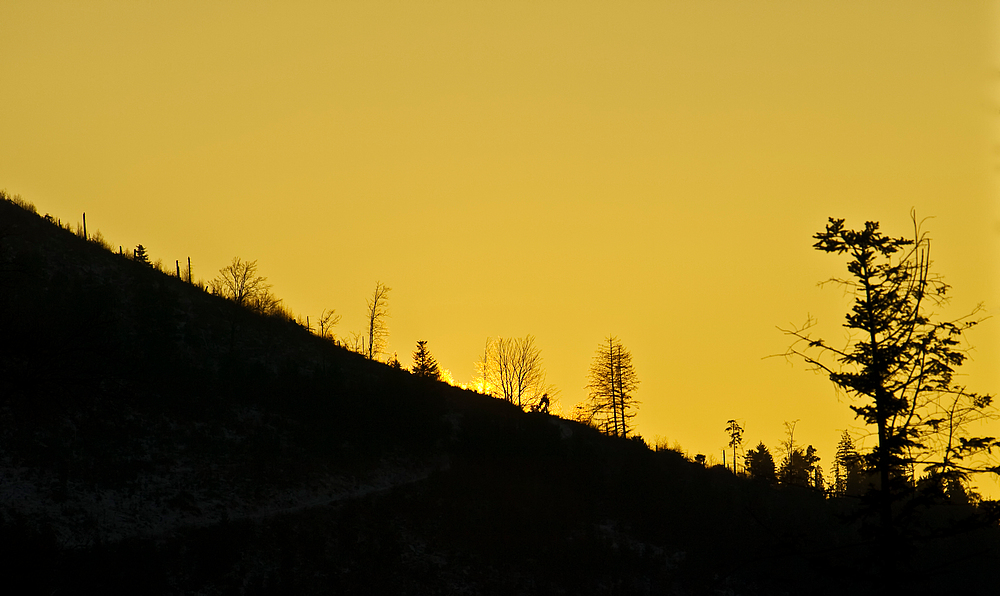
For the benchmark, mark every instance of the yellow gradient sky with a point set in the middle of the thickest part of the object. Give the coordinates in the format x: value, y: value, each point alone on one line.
x: 653, y: 170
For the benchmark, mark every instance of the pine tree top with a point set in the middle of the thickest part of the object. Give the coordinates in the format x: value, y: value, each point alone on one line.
x: 424, y: 364
x: 139, y: 254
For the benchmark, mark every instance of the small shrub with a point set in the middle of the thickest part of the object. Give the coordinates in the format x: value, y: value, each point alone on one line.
x: 17, y: 200
x: 99, y: 240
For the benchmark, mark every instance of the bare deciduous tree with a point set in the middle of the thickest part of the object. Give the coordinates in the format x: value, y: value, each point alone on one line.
x: 481, y: 383
x: 240, y: 282
x: 355, y: 343
x: 327, y: 321
x: 511, y: 369
x: 267, y: 303
x: 378, y: 327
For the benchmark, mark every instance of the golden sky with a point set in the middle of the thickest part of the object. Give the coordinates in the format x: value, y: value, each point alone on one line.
x: 653, y: 170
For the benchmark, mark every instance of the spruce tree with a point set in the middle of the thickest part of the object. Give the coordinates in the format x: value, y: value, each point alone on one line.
x: 900, y: 365
x: 760, y: 464
x: 139, y: 254
x: 852, y: 477
x: 424, y: 364
x: 799, y: 468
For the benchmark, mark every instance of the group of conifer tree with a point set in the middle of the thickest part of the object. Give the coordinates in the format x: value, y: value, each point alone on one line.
x: 899, y: 367
x: 799, y: 466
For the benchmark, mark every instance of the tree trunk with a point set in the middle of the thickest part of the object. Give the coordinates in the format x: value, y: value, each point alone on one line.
x: 611, y: 371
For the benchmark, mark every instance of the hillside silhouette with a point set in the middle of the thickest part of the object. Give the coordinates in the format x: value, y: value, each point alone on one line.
x: 158, y: 439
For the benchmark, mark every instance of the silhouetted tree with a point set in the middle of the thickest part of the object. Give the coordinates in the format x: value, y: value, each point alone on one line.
x: 612, y: 380
x: 482, y: 381
x: 900, y: 363
x: 378, y: 327
x: 424, y: 364
x: 24, y: 204
x: 735, y: 432
x: 267, y: 303
x: 799, y: 468
x: 240, y: 282
x: 356, y: 343
x: 798, y: 465
x: 817, y: 476
x: 760, y: 464
x: 139, y: 254
x: 99, y: 239
x: 947, y: 488
x: 513, y: 369
x: 327, y: 321
x: 849, y: 475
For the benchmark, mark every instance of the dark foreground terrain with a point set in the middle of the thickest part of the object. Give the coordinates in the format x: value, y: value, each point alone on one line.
x: 157, y: 439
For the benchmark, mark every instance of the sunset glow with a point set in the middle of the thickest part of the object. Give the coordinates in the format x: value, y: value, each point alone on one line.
x: 653, y: 171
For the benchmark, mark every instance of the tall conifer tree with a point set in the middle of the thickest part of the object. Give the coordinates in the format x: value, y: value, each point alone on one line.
x: 612, y: 383
x: 900, y: 364
x: 424, y: 364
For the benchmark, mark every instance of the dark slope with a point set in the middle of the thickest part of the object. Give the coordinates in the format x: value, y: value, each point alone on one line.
x: 156, y: 439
